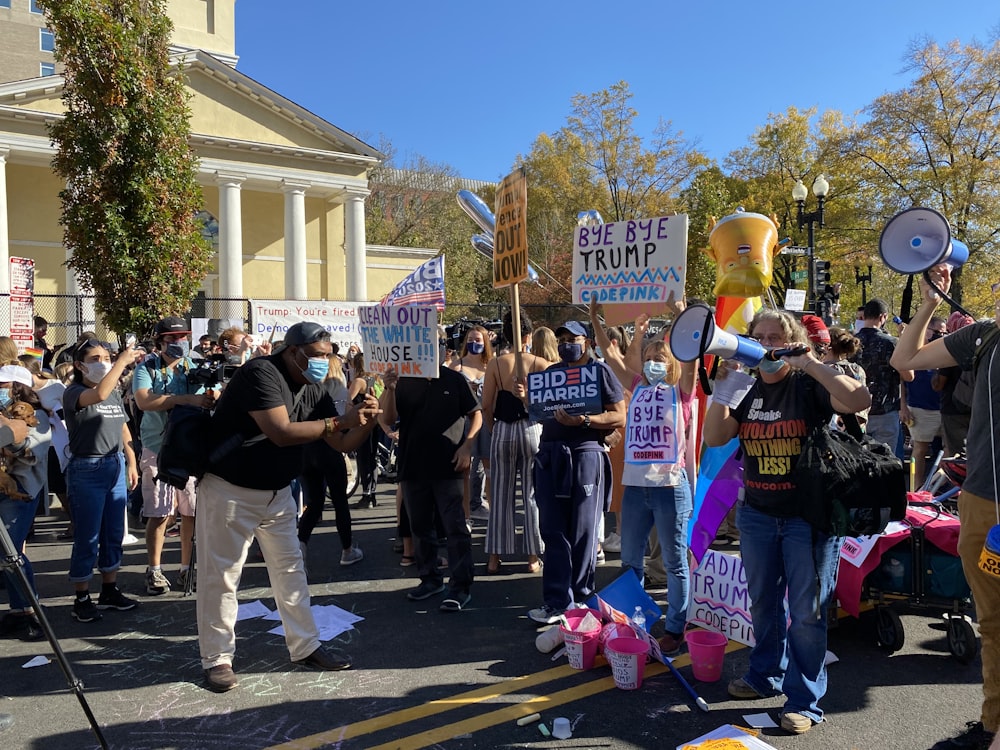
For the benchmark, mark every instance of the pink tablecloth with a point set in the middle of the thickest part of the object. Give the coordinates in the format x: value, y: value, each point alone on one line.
x: 941, y: 530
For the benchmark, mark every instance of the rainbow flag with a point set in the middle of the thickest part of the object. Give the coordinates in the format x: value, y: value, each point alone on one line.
x: 36, y: 353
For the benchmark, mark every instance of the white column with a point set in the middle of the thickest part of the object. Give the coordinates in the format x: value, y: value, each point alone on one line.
x: 230, y: 235
x: 296, y: 281
x: 354, y: 246
x: 4, y: 232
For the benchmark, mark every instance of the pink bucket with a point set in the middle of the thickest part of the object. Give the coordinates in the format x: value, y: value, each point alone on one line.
x: 581, y: 646
x: 707, y: 650
x: 627, y: 657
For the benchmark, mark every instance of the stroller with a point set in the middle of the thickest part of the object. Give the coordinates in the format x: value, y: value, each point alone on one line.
x: 914, y: 562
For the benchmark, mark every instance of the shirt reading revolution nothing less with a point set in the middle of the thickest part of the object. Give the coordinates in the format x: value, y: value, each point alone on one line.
x: 774, y: 421
x: 261, y: 384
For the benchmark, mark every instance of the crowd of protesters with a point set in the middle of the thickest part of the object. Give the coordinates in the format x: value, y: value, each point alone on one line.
x: 467, y: 449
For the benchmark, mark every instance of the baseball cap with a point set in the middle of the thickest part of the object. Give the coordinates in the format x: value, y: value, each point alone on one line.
x: 575, y: 327
x: 816, y: 329
x: 15, y: 374
x: 171, y: 325
x: 305, y: 333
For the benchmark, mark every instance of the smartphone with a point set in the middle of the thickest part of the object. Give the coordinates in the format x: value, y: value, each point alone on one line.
x: 896, y: 319
x: 130, y: 340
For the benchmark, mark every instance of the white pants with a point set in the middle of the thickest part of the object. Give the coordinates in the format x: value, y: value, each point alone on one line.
x: 228, y: 519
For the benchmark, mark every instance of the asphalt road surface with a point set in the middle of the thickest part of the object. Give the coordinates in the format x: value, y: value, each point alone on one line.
x: 423, y: 678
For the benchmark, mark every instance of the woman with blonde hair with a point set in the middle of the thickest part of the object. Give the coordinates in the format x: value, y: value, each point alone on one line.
x: 657, y: 491
x: 8, y: 351
x: 544, y: 344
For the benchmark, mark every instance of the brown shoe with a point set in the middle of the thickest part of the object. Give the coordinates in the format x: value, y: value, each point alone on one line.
x: 221, y: 678
x: 329, y: 660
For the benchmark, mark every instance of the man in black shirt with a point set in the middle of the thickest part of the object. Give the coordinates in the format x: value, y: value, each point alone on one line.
x: 433, y: 454
x: 258, y: 434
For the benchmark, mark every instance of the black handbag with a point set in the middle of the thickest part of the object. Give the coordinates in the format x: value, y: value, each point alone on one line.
x: 849, y: 487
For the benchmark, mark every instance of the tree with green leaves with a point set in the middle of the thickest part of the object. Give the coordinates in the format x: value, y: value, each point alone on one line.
x: 936, y: 143
x: 131, y: 195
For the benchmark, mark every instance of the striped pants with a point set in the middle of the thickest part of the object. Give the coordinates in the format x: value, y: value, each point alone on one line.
x: 512, y: 451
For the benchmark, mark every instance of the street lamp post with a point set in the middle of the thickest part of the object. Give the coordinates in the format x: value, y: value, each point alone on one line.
x: 820, y: 189
x: 864, y: 279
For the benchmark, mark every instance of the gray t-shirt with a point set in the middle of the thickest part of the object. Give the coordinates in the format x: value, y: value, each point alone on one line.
x: 981, y: 462
x: 94, y: 430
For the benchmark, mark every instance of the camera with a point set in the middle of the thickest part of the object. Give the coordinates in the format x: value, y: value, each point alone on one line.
x: 212, y: 371
x: 457, y: 331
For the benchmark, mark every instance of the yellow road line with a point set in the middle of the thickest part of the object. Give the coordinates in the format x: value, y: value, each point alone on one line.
x: 476, y: 723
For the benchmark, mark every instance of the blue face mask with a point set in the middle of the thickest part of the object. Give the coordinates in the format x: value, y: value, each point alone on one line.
x: 5, y: 397
x: 570, y: 353
x: 475, y: 347
x: 770, y: 367
x: 655, y: 372
x: 316, y: 369
x: 177, y: 349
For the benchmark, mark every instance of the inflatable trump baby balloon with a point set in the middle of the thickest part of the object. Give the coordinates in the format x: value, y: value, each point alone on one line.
x: 743, y: 246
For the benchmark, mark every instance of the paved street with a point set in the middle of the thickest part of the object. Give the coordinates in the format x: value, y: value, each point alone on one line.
x: 423, y: 678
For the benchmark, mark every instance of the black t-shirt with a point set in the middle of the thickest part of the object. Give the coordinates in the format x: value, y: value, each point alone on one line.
x: 432, y: 423
x: 774, y: 422
x: 263, y: 383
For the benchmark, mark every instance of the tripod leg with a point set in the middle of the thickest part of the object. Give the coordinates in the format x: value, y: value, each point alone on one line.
x: 189, y: 581
x: 12, y: 563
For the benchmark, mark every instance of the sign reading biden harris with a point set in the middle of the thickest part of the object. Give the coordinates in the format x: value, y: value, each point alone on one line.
x: 575, y: 389
x: 630, y: 267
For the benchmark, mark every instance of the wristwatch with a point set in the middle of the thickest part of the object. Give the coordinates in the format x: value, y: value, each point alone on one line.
x: 586, y: 421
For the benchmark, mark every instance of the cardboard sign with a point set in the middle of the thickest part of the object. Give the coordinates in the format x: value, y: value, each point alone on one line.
x: 651, y: 428
x: 271, y: 318
x: 402, y: 338
x: 795, y: 299
x: 630, y: 266
x: 22, y: 302
x: 720, y: 600
x: 510, y: 241
x: 575, y: 389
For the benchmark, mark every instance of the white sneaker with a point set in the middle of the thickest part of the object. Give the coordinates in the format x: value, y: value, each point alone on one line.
x: 612, y: 543
x: 351, y: 555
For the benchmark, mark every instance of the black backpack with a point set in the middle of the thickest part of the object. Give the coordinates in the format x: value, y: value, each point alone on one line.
x: 186, y: 446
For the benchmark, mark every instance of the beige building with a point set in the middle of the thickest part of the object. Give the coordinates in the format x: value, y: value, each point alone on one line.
x: 284, y: 190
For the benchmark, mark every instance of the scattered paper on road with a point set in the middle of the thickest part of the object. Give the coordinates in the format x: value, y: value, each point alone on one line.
x: 331, y: 621
x: 729, y: 732
x: 251, y: 609
x: 760, y: 721
x: 38, y: 661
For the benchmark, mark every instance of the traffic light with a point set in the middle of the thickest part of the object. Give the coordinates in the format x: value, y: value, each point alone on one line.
x: 820, y: 273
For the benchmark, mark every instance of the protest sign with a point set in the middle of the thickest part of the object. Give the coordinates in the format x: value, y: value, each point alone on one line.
x: 720, y: 600
x: 272, y: 318
x: 651, y: 428
x: 403, y: 338
x: 630, y: 266
x: 510, y: 243
x: 575, y: 389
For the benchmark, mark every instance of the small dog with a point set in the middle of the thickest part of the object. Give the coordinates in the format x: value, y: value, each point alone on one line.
x: 24, y: 411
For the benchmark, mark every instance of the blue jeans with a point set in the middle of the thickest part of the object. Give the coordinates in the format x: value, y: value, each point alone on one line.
x: 17, y: 516
x: 788, y: 657
x: 97, y: 495
x: 670, y: 509
x: 884, y: 428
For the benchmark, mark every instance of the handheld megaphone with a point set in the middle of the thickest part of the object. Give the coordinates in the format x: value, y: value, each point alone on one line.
x: 917, y: 239
x: 694, y: 333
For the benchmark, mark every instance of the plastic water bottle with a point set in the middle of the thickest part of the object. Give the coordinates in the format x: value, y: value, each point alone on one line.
x: 639, y: 619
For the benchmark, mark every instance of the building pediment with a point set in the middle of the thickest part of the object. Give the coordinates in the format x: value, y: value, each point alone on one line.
x: 229, y: 111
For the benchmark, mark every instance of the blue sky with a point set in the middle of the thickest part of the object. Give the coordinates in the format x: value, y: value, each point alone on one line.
x: 472, y: 85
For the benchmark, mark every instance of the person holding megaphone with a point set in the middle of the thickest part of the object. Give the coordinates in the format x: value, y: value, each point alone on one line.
x: 779, y: 547
x: 973, y: 347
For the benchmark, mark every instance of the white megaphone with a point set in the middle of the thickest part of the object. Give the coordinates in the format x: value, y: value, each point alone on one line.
x: 917, y: 239
x: 694, y: 333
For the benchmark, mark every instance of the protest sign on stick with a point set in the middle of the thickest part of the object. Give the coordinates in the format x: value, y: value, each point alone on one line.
x: 402, y: 338
x: 510, y: 243
x: 630, y: 266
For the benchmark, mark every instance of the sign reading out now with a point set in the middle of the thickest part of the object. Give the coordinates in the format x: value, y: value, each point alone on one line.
x: 510, y: 242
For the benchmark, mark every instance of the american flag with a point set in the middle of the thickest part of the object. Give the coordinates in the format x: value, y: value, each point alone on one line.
x: 425, y: 286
